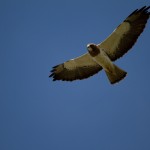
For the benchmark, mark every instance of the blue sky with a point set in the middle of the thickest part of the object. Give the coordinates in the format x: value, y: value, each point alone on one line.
x: 37, y: 113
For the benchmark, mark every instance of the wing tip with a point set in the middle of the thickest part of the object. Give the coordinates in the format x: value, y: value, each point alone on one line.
x: 52, y: 73
x: 143, y: 9
x: 55, y: 76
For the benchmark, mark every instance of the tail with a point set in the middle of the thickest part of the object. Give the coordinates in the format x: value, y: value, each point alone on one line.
x: 117, y: 75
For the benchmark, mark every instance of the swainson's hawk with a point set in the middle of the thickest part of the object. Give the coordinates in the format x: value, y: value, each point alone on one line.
x: 101, y: 56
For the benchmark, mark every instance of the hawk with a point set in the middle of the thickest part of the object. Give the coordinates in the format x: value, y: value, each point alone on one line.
x: 101, y: 56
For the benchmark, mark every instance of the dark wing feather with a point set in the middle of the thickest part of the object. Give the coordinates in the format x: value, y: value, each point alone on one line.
x: 79, y: 68
x: 126, y: 34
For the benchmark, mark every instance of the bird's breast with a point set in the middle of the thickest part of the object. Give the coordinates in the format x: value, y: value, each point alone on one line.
x: 103, y: 60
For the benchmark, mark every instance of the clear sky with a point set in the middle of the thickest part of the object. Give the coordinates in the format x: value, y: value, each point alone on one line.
x: 39, y: 114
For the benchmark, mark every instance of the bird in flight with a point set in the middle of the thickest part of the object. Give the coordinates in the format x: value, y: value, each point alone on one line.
x: 101, y: 56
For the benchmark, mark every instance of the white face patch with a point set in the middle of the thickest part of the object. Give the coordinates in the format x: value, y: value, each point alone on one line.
x: 89, y: 48
x: 88, y: 45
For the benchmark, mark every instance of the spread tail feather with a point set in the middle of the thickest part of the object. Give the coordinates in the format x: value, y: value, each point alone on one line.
x: 117, y: 75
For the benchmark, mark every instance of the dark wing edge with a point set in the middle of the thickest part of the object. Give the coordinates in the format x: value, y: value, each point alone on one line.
x: 135, y: 24
x: 75, y: 69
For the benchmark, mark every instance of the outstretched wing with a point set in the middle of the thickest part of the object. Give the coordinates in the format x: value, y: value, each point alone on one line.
x: 126, y: 34
x: 78, y: 68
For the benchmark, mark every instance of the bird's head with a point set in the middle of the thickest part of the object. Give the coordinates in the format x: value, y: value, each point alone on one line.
x: 93, y: 49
